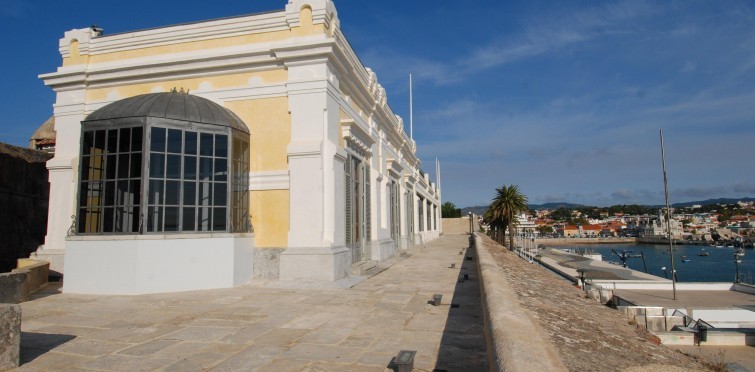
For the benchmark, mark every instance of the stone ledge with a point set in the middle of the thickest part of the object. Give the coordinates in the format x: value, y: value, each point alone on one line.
x: 14, y: 287
x: 515, y: 341
x: 10, y: 336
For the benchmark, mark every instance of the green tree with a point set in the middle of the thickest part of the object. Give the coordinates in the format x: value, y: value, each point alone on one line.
x: 543, y: 230
x: 504, y: 207
x: 449, y: 210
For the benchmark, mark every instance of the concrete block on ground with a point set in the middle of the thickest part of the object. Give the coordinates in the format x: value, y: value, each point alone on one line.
x: 10, y: 335
x: 14, y: 287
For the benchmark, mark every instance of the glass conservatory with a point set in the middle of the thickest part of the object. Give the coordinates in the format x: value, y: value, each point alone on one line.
x: 163, y: 163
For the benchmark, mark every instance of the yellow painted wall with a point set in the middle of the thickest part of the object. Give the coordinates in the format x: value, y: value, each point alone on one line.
x: 306, y: 28
x: 217, y: 82
x: 269, y: 123
x: 74, y: 57
x: 270, y: 218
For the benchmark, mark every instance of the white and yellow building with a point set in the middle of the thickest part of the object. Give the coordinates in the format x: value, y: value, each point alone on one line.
x: 313, y: 173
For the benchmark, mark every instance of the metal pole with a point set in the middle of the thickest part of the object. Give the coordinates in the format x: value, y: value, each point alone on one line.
x: 668, y: 218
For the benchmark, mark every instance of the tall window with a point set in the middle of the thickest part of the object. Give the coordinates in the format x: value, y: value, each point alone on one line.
x: 188, y: 181
x: 358, y: 208
x: 394, y: 209
x: 429, y: 209
x: 110, y: 187
x: 421, y: 212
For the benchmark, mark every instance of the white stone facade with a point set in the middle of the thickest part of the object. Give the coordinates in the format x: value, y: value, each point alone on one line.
x: 337, y: 110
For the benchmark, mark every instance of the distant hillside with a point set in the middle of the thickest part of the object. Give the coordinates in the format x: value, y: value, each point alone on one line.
x: 713, y: 201
x: 480, y: 210
x: 552, y: 206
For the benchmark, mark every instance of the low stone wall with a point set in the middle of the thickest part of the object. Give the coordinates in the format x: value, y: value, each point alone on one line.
x: 515, y: 341
x: 13, y: 288
x: 37, y: 273
x: 456, y: 225
x: 10, y: 336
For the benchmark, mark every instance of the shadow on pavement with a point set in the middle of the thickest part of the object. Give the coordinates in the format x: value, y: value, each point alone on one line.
x: 462, y: 347
x: 34, y: 344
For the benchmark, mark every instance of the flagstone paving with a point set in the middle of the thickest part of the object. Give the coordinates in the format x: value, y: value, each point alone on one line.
x: 262, y: 328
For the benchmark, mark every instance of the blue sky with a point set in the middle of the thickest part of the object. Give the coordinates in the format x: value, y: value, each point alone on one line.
x: 564, y: 99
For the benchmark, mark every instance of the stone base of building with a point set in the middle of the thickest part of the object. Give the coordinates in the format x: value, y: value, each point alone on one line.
x: 56, y: 258
x: 322, y: 264
x: 157, y: 263
x: 383, y: 249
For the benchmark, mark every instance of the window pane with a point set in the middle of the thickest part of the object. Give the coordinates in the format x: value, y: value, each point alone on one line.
x: 173, y: 167
x: 123, y: 144
x: 109, y: 193
x: 205, y: 169
x: 110, y: 167
x: 134, y: 218
x: 221, y: 170
x: 154, y: 218
x: 155, y: 192
x: 203, y: 219
x: 221, y: 194
x: 85, y: 161
x: 99, y: 141
x: 172, y: 192
x: 174, y: 141
x: 83, y: 194
x: 96, y: 165
x: 135, y: 192
x: 136, y: 165
x: 123, y: 165
x: 205, y: 144
x: 205, y: 192
x: 158, y: 140
x: 157, y: 165
x: 218, y: 219
x: 108, y: 220
x: 112, y: 141
x: 171, y: 219
x: 189, y: 219
x: 190, y: 168
x: 190, y: 193
x: 122, y: 195
x: 221, y: 146
x: 87, y: 143
x: 81, y: 223
x: 136, y: 139
x: 190, y: 143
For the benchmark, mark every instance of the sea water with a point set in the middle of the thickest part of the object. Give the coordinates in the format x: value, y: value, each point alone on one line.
x: 718, y: 266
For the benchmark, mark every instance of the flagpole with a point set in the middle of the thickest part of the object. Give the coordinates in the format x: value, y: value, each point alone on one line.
x: 411, y: 114
x: 668, y: 219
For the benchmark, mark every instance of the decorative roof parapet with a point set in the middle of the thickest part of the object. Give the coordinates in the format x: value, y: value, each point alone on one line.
x: 323, y: 12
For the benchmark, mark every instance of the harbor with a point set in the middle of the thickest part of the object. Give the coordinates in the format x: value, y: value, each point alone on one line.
x: 702, y: 308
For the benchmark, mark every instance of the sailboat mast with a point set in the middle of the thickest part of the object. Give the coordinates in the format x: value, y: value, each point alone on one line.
x: 668, y: 218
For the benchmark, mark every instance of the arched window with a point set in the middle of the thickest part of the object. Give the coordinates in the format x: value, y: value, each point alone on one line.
x: 163, y: 163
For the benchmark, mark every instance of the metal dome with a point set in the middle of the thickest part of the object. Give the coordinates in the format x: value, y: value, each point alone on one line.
x: 171, y: 106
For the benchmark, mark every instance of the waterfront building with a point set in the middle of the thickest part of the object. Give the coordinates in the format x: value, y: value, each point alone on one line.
x: 657, y: 227
x: 207, y: 154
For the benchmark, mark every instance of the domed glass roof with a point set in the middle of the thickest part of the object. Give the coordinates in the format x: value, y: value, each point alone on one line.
x: 171, y: 106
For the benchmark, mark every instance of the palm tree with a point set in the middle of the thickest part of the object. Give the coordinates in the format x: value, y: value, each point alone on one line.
x: 504, y: 207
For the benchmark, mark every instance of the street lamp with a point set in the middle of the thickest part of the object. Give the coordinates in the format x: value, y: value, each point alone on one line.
x: 470, y: 223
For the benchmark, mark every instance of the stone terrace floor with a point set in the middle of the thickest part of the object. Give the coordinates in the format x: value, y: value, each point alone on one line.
x: 262, y: 328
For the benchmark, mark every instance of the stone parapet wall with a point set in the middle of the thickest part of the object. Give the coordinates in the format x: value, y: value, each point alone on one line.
x: 14, y: 288
x: 24, y: 197
x: 515, y: 341
x: 10, y: 336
